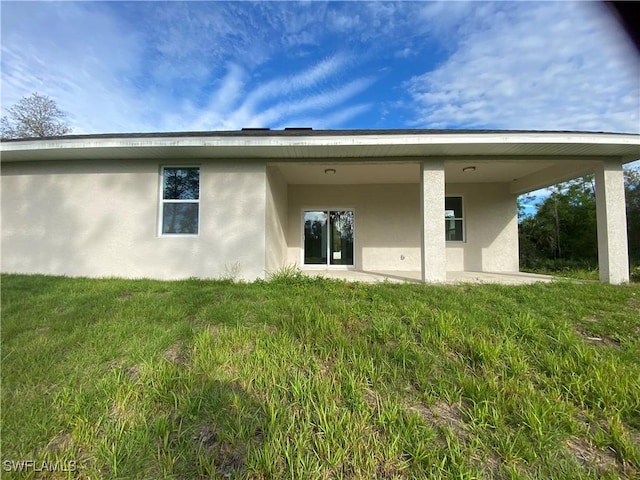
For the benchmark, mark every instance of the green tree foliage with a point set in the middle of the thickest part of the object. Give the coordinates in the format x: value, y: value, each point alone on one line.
x: 632, y: 191
x: 564, y: 227
x: 34, y: 116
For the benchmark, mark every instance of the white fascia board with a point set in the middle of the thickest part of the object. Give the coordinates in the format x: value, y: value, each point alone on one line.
x: 266, y: 141
x: 323, y: 140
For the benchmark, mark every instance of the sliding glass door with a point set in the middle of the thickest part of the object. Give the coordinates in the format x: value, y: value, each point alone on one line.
x: 328, y: 237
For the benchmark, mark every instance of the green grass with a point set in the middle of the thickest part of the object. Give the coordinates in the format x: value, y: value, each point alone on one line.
x: 575, y: 269
x: 311, y: 378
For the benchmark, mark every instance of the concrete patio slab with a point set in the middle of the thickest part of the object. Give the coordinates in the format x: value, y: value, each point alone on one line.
x: 512, y: 278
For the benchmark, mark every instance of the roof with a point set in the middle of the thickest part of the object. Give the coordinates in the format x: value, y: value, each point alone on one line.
x: 525, y: 160
x: 307, y: 144
x: 306, y: 132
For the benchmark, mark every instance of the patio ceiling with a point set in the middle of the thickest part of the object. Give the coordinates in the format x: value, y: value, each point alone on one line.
x: 518, y: 173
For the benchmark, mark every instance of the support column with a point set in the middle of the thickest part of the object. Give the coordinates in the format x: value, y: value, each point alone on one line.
x: 434, y: 253
x: 613, y: 251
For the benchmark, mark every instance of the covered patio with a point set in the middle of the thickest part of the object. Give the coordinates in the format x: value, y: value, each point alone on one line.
x: 433, y: 207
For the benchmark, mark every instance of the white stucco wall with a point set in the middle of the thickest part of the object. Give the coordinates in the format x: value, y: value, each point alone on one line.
x: 386, y: 222
x: 100, y: 218
x: 491, y: 224
x: 387, y: 225
x: 276, y: 221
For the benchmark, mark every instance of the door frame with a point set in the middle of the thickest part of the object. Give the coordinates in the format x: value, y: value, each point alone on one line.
x: 327, y: 265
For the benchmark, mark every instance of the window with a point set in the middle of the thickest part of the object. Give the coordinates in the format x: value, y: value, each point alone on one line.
x: 453, y: 219
x: 180, y: 207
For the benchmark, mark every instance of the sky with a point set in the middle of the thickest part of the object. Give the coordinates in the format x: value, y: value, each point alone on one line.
x: 191, y: 66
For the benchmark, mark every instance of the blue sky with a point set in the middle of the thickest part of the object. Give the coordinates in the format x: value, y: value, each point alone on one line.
x: 138, y: 67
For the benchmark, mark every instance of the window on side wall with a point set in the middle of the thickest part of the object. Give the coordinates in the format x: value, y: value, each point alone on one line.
x: 180, y: 204
x: 453, y: 219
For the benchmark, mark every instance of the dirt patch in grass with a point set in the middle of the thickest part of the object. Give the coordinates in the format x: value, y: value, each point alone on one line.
x: 634, y: 435
x: 354, y: 325
x: 229, y: 457
x: 126, y: 294
x: 60, y: 443
x: 443, y: 414
x: 64, y: 447
x: 594, y: 339
x: 134, y: 372
x: 123, y: 413
x: 176, y: 354
x: 215, y: 328
x: 592, y: 426
x: 589, y: 455
x: 268, y: 328
x: 115, y: 364
x: 205, y: 436
x: 259, y: 327
x: 371, y: 398
x: 326, y: 366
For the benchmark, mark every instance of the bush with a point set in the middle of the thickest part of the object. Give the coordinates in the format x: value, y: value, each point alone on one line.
x: 635, y: 274
x: 550, y: 265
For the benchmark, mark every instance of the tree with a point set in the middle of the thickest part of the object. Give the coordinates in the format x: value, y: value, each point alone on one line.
x: 632, y: 195
x: 564, y: 227
x: 34, y: 116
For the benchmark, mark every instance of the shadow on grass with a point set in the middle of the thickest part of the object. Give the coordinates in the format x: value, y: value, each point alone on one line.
x: 189, y: 428
x: 224, y: 433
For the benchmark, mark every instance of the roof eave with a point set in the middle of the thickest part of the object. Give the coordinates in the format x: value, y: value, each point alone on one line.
x: 258, y: 144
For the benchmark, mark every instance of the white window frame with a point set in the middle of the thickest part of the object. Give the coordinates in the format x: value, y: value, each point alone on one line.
x: 163, y: 201
x: 462, y: 219
x: 328, y: 264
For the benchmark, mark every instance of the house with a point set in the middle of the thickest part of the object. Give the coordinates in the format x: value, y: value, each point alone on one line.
x: 204, y: 204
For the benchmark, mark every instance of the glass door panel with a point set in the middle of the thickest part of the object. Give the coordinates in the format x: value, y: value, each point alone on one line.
x: 328, y: 237
x: 315, y: 238
x: 341, y: 238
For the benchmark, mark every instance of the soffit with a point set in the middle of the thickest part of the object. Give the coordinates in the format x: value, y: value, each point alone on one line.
x: 351, y: 173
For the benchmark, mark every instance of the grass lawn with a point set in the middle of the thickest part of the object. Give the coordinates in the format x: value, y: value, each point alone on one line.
x: 312, y: 378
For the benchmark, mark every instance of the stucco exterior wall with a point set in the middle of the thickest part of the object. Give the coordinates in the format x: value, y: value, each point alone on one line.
x: 100, y: 218
x: 276, y: 221
x: 491, y: 229
x: 387, y: 225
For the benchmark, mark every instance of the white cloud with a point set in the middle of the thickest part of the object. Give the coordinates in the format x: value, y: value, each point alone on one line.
x: 315, y: 103
x: 281, y: 98
x: 547, y: 65
x: 143, y: 66
x: 343, y: 22
x: 328, y: 120
x: 182, y: 69
x: 222, y: 101
x: 89, y: 79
